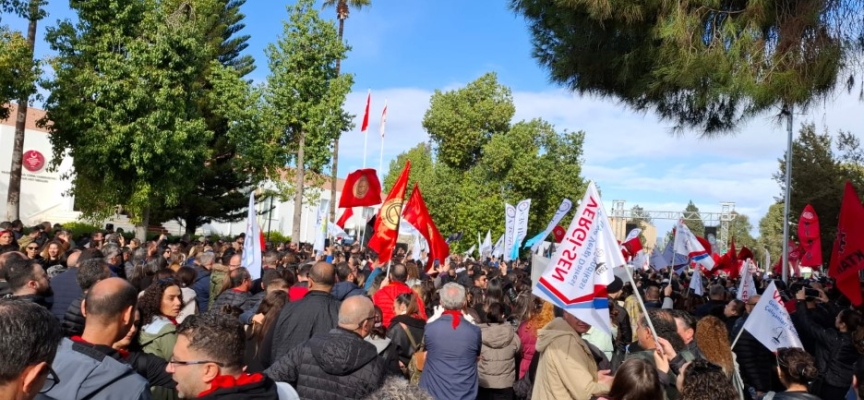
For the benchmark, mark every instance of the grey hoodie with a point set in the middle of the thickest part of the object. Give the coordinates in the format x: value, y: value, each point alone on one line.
x: 87, y: 373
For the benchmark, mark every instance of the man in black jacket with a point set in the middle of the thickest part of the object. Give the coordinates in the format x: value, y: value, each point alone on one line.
x: 338, y: 363
x: 90, y: 272
x: 28, y: 281
x: 317, y: 312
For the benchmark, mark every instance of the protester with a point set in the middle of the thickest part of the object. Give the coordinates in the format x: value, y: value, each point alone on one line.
x: 406, y: 329
x: 186, y: 278
x: 796, y: 370
x: 702, y: 380
x: 89, y: 273
x: 268, y: 311
x: 387, y: 294
x: 636, y: 379
x: 497, y: 365
x: 28, y: 281
x: 347, y: 285
x: 160, y: 305
x: 236, y: 291
x: 201, y: 286
x: 29, y: 338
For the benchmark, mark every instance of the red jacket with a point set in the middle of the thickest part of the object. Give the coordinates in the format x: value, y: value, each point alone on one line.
x: 386, y: 296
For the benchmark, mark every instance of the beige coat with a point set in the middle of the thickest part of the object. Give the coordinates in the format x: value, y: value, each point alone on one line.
x: 497, y: 366
x: 567, y: 369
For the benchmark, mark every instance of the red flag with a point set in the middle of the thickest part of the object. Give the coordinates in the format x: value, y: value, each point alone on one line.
x: 417, y: 214
x: 261, y: 239
x: 346, y: 215
x: 705, y: 244
x: 361, y: 189
x: 810, y: 238
x: 794, y: 256
x: 632, y: 246
x: 847, y: 257
x: 365, y: 124
x: 387, y: 224
x: 559, y: 233
x: 745, y: 253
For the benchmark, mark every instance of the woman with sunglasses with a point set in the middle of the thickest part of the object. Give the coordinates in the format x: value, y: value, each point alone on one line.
x: 32, y: 252
x: 159, y: 306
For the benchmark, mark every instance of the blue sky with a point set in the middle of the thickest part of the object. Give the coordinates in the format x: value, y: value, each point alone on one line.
x: 404, y: 50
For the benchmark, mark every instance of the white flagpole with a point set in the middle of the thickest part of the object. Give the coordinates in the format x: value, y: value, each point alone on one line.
x: 366, y: 133
x: 381, y: 155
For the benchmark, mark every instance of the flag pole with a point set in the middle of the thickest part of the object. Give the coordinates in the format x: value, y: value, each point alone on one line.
x: 641, y: 302
x: 381, y: 154
x: 366, y: 132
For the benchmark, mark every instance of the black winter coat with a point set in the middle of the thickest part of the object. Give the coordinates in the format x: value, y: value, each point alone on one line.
x: 73, y: 321
x: 333, y: 366
x: 232, y: 298
x: 66, y: 290
x: 316, y: 313
x: 757, y: 364
x: 835, y: 354
x: 261, y: 390
x: 400, y: 339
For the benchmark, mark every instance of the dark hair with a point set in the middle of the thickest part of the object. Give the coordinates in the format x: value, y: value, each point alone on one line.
x: 852, y: 319
x: 289, y: 276
x: 704, y: 380
x: 323, y: 274
x: 20, y: 271
x: 636, y: 379
x: 150, y: 303
x: 399, y: 273
x: 270, y: 306
x: 495, y: 313
x: 89, y: 253
x: 186, y: 276
x: 737, y: 306
x: 379, y: 331
x: 92, y: 271
x: 689, y: 319
x: 268, y: 276
x: 343, y: 271
x: 29, y: 335
x: 666, y: 327
x: 110, y: 304
x: 218, y: 336
x: 796, y: 365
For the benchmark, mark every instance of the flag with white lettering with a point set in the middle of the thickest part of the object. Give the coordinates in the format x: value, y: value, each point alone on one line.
x: 521, y: 227
x: 581, y: 267
x: 747, y: 287
x: 509, y: 230
x: 770, y: 324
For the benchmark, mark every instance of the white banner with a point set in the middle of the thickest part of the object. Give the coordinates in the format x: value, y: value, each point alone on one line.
x: 696, y: 283
x: 582, y: 265
x: 562, y: 210
x: 498, y: 248
x: 770, y: 324
x: 321, y: 227
x: 521, y: 229
x: 509, y: 230
x: 747, y: 287
x: 251, y: 258
x: 486, y: 247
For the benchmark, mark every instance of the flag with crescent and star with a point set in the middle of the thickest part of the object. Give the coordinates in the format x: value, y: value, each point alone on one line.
x: 383, y: 240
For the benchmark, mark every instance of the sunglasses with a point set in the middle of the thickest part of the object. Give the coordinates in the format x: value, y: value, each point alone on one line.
x: 32, y: 248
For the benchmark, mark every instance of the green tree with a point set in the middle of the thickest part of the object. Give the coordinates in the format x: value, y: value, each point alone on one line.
x: 25, y: 86
x: 124, y: 102
x: 703, y: 65
x: 460, y: 132
x: 820, y: 176
x: 693, y: 220
x: 343, y: 11
x: 771, y: 234
x: 305, y: 96
x: 740, y: 228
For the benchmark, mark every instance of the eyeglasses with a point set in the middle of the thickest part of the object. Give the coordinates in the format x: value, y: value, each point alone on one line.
x: 178, y: 362
x: 32, y: 248
x: 51, y: 381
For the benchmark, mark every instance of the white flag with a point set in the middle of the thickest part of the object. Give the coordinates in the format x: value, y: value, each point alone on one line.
x: 415, y: 250
x: 321, y: 227
x: 770, y: 324
x: 509, y: 230
x: 471, y: 250
x: 696, y: 282
x: 384, y: 118
x: 562, y: 210
x: 640, y: 260
x: 486, y: 247
x: 581, y: 268
x: 747, y: 287
x: 334, y: 230
x: 687, y: 244
x: 521, y: 227
x: 634, y: 233
x: 252, y: 244
x: 498, y: 248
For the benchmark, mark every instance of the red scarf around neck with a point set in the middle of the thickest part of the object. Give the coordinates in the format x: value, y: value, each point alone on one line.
x: 457, y: 316
x: 124, y: 354
x: 228, y: 381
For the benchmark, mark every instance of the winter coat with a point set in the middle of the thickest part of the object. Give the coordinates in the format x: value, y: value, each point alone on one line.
x: 334, y: 365
x: 298, y: 321
x: 450, y: 372
x: 388, y: 351
x: 343, y: 290
x: 260, y: 388
x: 66, y: 290
x: 567, y: 369
x: 158, y: 338
x: 835, y: 353
x: 217, y: 275
x: 756, y: 363
x: 73, y: 320
x: 385, y: 297
x: 497, y: 366
x: 791, y: 396
x: 529, y: 340
x: 400, y: 338
x: 201, y: 286
x: 87, y: 373
x: 233, y: 298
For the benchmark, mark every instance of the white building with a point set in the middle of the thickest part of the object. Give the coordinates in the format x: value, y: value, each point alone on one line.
x: 43, y: 199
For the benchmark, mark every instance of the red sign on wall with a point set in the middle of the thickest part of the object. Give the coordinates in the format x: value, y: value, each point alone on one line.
x: 33, y: 161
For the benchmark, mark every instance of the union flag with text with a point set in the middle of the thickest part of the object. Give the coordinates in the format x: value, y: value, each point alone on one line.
x: 847, y: 258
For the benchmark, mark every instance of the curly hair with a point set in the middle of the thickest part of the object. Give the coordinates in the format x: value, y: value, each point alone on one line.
x: 704, y: 380
x: 796, y: 365
x: 713, y: 339
x: 150, y: 303
x: 540, y: 319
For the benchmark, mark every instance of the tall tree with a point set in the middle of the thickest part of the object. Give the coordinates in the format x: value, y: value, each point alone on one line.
x: 343, y: 10
x: 740, y: 229
x: 305, y: 96
x: 693, y: 219
x: 771, y: 234
x: 123, y: 102
x: 820, y: 175
x: 222, y: 184
x: 33, y: 12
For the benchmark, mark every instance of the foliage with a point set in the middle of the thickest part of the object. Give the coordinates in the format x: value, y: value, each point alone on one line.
x: 343, y: 7
x: 706, y: 65
x: 127, y: 78
x: 818, y: 178
x: 461, y: 132
x: 528, y: 159
x: 276, y: 237
x: 771, y: 234
x: 80, y: 229
x: 640, y: 215
x: 17, y: 69
x: 697, y: 226
x: 740, y: 229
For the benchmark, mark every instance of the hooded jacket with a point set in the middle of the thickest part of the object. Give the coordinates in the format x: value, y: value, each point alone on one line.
x: 385, y: 297
x: 332, y: 366
x: 497, y: 366
x: 158, y: 338
x: 343, y: 290
x: 566, y: 369
x: 87, y: 373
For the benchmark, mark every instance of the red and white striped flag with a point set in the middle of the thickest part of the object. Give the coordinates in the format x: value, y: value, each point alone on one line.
x: 384, y: 118
x: 365, y: 124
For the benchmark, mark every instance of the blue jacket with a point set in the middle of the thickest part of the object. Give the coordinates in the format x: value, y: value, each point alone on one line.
x: 85, y: 372
x: 66, y: 290
x: 344, y: 290
x: 450, y: 372
x: 201, y: 286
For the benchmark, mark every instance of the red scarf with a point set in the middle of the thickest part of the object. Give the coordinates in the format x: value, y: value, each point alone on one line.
x: 228, y: 381
x: 124, y: 354
x: 457, y: 316
x: 173, y: 320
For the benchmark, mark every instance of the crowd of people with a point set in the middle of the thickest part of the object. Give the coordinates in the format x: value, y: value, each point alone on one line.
x: 103, y: 318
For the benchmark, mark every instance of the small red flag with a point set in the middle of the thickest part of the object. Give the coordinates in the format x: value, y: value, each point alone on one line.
x: 346, y: 215
x: 387, y: 224
x: 632, y: 246
x: 810, y: 238
x: 362, y: 189
x: 847, y: 257
x: 559, y: 233
x: 417, y: 214
x: 365, y: 124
